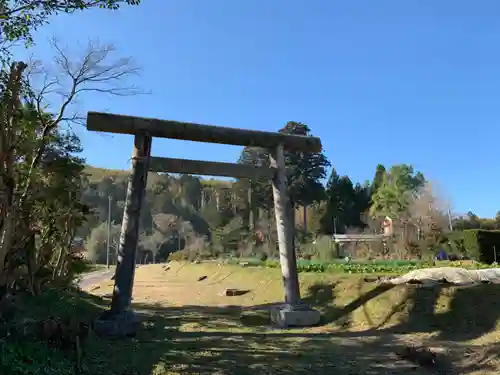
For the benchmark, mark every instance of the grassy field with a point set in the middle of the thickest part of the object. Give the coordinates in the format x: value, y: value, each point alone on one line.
x: 191, y: 327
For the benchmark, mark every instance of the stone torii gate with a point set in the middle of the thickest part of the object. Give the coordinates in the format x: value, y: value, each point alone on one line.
x: 120, y: 319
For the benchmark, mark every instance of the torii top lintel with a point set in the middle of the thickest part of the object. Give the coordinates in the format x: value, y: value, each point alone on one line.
x: 121, y: 124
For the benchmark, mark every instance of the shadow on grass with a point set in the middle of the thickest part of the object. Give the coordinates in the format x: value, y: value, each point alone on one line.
x: 454, y: 313
x: 322, y: 297
x: 471, y: 312
x: 200, y: 339
x: 211, y: 340
x: 217, y: 340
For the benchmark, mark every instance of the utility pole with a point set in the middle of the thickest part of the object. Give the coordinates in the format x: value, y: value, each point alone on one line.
x: 202, y: 202
x: 449, y: 219
x: 108, y: 241
x: 251, y: 220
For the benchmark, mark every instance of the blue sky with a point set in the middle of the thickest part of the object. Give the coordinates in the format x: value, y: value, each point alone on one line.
x: 379, y: 81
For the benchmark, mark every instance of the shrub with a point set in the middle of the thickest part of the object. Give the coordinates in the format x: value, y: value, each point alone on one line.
x: 75, y: 265
x: 96, y: 243
x: 27, y: 357
x: 327, y: 250
x: 302, y: 237
x: 199, y: 250
x: 323, y: 249
x: 180, y: 255
x: 478, y: 244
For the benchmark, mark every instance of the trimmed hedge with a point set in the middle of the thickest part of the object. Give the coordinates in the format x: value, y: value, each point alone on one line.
x: 479, y: 244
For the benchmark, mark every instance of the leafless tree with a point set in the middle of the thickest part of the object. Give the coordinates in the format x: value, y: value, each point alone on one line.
x: 54, y: 89
x: 428, y: 210
x: 166, y: 223
x: 57, y: 87
x: 96, y: 71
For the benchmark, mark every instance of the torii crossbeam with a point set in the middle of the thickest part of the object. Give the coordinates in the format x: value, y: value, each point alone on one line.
x: 118, y: 321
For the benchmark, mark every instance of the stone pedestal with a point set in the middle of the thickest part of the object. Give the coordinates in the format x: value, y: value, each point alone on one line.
x: 295, y: 316
x: 117, y: 325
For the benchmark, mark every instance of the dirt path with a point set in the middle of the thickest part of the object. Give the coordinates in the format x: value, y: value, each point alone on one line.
x: 95, y: 277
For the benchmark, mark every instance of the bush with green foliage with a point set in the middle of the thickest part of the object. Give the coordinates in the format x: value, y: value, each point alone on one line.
x: 27, y: 357
x: 481, y: 245
x: 323, y: 249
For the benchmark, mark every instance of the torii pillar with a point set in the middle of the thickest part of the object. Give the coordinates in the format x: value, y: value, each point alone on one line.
x: 293, y: 312
x: 120, y: 320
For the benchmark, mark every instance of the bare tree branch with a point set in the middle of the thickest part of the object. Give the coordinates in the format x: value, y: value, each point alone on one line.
x: 94, y: 72
x: 428, y: 209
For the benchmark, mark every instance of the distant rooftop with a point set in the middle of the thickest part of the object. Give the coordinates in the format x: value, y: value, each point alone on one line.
x: 357, y: 237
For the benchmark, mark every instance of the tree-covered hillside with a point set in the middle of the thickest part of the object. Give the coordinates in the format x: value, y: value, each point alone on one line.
x: 215, y: 217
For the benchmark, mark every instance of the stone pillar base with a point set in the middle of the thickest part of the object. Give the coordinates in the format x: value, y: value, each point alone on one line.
x: 295, y: 316
x: 117, y: 325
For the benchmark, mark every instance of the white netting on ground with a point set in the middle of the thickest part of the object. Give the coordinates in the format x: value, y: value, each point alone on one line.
x: 450, y: 275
